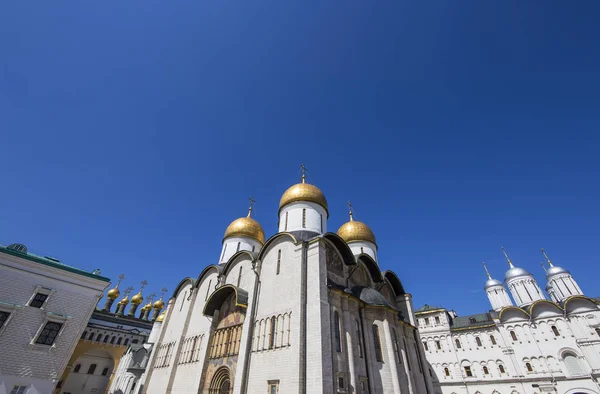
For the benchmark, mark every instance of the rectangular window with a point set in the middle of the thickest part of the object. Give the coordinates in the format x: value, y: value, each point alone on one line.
x: 340, y: 382
x: 38, y: 300
x: 273, y: 386
x: 336, y: 329
x: 396, y: 346
x: 49, y: 333
x: 468, y: 371
x: 19, y: 389
x: 3, y: 318
x: 426, y: 321
x: 359, y: 339
x: 363, y: 385
x: 377, y: 341
x: 425, y: 346
x: 437, y: 320
x: 407, y: 356
x: 286, y: 221
x: 278, y: 261
x: 321, y: 217
x: 438, y: 345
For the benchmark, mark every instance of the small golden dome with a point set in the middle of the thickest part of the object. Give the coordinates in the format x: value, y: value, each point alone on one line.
x: 137, y: 299
x: 161, y: 317
x: 147, y: 307
x: 356, y: 231
x: 303, y: 192
x: 124, y: 301
x: 113, y: 294
x: 245, y: 227
x: 159, y: 304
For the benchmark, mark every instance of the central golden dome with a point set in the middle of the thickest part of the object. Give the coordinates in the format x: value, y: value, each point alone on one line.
x: 113, y: 294
x: 356, y: 231
x: 245, y: 227
x: 303, y: 192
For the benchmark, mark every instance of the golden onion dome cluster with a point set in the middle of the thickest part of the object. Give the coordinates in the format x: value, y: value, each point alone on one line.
x: 113, y: 294
x: 137, y: 299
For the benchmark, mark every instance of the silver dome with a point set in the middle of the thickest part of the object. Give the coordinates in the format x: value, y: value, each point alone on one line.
x: 491, y: 283
x: 554, y: 270
x: 515, y: 272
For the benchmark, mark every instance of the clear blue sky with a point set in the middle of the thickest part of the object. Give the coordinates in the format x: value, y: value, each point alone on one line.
x: 134, y: 131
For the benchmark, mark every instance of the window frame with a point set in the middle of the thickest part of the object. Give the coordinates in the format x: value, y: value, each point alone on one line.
x: 378, y: 347
x: 271, y: 384
x: 48, y: 292
x: 468, y: 371
x: 19, y: 389
x: 337, y: 334
x: 50, y: 318
x: 11, y: 311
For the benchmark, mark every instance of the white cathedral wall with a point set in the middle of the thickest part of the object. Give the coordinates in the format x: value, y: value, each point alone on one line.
x: 232, y: 245
x: 173, y: 331
x: 316, y: 217
x: 279, y: 294
x: 358, y: 247
x: 187, y: 375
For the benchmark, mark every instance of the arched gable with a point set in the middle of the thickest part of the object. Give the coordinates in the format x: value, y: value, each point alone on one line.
x: 395, y: 282
x: 233, y: 259
x: 342, y: 247
x: 206, y: 271
x: 544, y: 308
x: 181, y: 284
x: 512, y: 313
x: 579, y: 304
x: 217, y: 298
x: 371, y: 266
x: 267, y: 244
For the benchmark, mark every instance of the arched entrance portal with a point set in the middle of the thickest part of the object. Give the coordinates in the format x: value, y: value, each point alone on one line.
x: 221, y: 382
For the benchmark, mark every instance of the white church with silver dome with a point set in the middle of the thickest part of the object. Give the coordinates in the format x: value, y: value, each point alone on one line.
x: 532, y: 346
x: 306, y: 311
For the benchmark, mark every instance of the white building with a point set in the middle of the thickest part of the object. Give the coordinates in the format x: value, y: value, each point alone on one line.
x: 535, y: 345
x: 44, y: 308
x: 307, y: 311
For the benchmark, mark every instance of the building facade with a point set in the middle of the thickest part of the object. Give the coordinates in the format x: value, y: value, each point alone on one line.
x: 307, y: 311
x: 532, y: 346
x: 108, y: 337
x: 44, y: 308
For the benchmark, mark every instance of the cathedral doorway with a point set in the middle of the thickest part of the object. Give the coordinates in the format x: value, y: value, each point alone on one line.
x: 221, y: 382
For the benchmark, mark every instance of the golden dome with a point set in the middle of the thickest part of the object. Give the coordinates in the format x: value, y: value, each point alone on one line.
x: 245, y: 227
x: 356, y: 231
x: 124, y: 301
x: 113, y: 294
x: 137, y: 299
x: 159, y: 304
x: 303, y: 192
x: 147, y: 307
x: 161, y: 317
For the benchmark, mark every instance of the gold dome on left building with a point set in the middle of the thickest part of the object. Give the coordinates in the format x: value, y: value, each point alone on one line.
x: 113, y: 294
x: 246, y: 227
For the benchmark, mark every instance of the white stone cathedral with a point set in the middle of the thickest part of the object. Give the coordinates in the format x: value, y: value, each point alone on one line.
x: 307, y: 311
x: 533, y: 346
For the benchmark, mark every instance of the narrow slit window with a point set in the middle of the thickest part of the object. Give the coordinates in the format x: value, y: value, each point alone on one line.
x: 529, y: 367
x: 238, y: 247
x: 501, y: 368
x: 425, y: 346
x: 555, y: 331
x: 286, y: 221
x: 457, y: 342
x: 303, y: 217
x: 438, y: 345
x: 336, y: 327
x: 239, y: 277
x: 272, y: 333
x: 478, y: 340
x: 359, y: 341
x: 278, y: 262
x: 513, y: 335
x: 492, y: 339
x: 486, y: 371
x: 377, y: 341
x: 446, y: 372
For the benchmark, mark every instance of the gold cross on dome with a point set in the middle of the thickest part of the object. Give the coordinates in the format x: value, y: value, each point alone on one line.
x: 304, y: 171
x: 120, y: 277
x: 350, y: 209
x: 143, y: 283
x: 252, y: 202
x: 128, y: 291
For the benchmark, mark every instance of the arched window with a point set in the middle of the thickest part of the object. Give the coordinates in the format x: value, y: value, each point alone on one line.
x: 126, y: 341
x: 377, y: 341
x: 501, y: 368
x: 472, y: 320
x: 119, y: 341
x: 572, y: 363
x: 112, y: 340
x: 105, y: 339
x: 529, y: 367
x: 478, y: 340
x: 598, y: 331
x: 492, y: 340
x: 446, y: 371
x: 84, y: 335
x: 91, y: 338
x: 486, y: 371
x: 98, y: 337
x: 77, y: 368
x: 513, y: 335
x: 425, y: 346
x: 438, y: 345
x: 457, y: 342
x: 273, y: 331
x: 555, y: 331
x: 91, y: 369
x: 336, y: 328
x: 105, y: 371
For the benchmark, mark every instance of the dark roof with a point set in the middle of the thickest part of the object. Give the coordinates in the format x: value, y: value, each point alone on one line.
x: 426, y: 308
x: 128, y: 320
x: 50, y: 263
x: 369, y: 296
x: 471, y: 321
